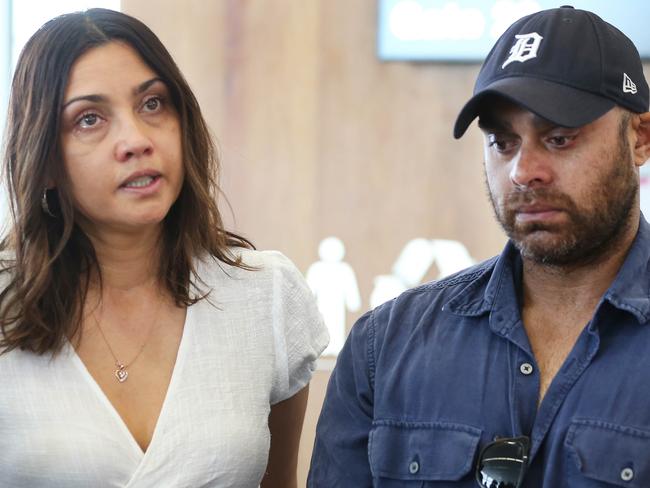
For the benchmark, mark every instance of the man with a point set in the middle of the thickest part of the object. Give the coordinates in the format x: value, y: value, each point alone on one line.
x: 531, y: 369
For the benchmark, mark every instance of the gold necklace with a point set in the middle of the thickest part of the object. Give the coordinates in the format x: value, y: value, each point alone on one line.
x: 121, y: 373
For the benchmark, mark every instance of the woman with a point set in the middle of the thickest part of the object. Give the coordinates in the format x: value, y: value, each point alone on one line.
x: 143, y: 345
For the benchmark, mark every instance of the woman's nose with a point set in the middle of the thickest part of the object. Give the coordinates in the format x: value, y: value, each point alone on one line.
x: 132, y: 141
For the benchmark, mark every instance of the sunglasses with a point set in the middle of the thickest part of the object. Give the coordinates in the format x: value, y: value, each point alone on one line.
x: 503, y: 463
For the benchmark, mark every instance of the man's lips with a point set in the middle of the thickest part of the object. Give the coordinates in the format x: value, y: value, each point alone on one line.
x: 526, y: 213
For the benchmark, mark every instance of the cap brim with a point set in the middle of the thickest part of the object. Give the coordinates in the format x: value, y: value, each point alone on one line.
x: 560, y: 104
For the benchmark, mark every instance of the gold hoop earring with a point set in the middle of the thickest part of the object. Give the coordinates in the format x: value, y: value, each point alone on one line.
x: 44, y: 204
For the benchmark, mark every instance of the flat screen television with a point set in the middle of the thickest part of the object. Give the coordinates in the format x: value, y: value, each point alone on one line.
x: 465, y: 30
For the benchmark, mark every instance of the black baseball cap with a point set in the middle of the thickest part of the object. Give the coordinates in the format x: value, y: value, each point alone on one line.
x: 566, y: 65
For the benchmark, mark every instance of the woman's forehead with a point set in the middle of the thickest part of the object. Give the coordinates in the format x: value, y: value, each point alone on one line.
x: 106, y: 68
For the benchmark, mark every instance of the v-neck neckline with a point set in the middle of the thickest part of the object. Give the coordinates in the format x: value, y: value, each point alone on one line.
x: 112, y: 411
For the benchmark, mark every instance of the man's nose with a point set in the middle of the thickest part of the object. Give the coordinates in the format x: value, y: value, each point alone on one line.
x: 531, y: 167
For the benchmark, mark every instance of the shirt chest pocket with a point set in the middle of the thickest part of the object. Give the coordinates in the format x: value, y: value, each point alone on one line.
x: 610, y: 453
x: 412, y: 453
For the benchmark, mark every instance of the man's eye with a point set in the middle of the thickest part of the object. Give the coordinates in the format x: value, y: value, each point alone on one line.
x: 559, y: 140
x: 499, y: 143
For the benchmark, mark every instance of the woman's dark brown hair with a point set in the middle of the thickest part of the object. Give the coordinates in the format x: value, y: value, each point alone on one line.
x: 49, y: 259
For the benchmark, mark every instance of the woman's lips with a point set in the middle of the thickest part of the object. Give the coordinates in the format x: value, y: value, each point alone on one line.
x: 143, y: 185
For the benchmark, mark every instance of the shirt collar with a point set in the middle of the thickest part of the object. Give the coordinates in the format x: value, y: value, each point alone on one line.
x: 630, y: 290
x: 496, y: 287
x: 479, y: 296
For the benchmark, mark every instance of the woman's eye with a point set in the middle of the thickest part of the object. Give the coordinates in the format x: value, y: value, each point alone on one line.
x: 88, y: 120
x: 152, y: 104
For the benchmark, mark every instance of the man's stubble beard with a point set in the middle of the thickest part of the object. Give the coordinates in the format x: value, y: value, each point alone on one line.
x: 591, y: 231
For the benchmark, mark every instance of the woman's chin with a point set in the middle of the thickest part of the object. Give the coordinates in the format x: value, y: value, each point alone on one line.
x: 139, y: 225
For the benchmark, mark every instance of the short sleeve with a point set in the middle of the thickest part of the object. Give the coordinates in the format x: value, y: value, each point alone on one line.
x: 300, y: 335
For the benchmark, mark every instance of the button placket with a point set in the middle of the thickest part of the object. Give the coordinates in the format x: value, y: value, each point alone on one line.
x: 525, y: 383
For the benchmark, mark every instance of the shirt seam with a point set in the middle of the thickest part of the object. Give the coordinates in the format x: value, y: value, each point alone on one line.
x: 447, y: 283
x: 371, y: 351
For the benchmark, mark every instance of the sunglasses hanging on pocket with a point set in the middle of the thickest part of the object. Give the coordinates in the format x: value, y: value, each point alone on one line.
x: 503, y: 463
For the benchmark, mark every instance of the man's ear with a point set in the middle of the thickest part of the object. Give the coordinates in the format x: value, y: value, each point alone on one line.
x: 641, y: 126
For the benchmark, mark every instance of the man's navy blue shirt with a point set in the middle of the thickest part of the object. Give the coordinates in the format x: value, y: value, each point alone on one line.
x: 426, y: 380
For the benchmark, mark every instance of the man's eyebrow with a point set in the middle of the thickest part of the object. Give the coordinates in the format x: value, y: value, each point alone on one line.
x: 142, y: 87
x: 541, y: 123
x: 493, y: 124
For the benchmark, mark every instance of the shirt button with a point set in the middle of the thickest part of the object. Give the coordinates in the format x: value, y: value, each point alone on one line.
x: 627, y: 474
x: 526, y: 368
x: 414, y: 467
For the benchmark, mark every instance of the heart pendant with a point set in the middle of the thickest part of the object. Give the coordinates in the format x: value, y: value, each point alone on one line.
x: 121, y: 374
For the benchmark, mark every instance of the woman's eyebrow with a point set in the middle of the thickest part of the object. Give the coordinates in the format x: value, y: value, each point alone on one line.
x: 142, y: 87
x: 90, y: 98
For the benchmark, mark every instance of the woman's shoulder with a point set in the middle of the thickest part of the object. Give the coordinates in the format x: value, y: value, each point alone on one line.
x: 253, y: 265
x: 267, y: 261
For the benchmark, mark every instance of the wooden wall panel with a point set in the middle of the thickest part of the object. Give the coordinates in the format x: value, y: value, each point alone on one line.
x: 318, y: 137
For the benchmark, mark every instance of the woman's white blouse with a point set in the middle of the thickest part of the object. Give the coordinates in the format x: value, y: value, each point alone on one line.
x: 253, y: 344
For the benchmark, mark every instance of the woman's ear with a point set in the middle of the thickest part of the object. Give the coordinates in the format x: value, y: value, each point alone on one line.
x: 641, y: 125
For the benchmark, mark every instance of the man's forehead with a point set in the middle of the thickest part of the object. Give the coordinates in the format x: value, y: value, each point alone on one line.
x: 499, y: 112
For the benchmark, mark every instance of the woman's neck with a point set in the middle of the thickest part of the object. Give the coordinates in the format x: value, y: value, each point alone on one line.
x: 127, y: 261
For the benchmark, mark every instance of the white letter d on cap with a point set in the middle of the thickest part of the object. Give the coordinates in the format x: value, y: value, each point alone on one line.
x: 524, y: 48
